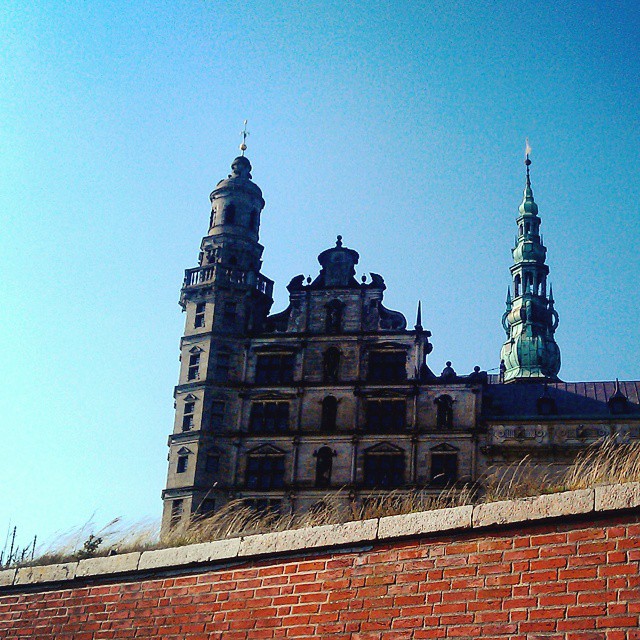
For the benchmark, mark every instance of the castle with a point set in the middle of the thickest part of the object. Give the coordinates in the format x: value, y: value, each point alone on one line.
x: 334, y: 394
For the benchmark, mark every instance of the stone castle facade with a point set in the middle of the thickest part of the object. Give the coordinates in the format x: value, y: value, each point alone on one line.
x: 334, y: 394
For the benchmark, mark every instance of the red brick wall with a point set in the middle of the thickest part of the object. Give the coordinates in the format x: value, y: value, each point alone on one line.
x: 570, y: 580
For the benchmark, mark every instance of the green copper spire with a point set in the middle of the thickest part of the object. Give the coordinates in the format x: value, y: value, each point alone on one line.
x: 530, y: 321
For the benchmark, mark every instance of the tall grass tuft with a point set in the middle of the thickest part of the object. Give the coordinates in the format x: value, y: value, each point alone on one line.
x: 605, y: 462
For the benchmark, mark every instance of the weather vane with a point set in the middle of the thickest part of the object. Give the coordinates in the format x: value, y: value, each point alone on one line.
x: 244, y: 133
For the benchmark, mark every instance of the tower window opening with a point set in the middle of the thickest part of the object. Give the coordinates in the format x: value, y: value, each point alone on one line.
x: 212, y: 217
x: 217, y: 414
x: 199, y: 317
x: 177, y: 507
x: 253, y: 220
x: 387, y: 366
x: 324, y: 464
x: 521, y: 229
x: 265, y: 472
x: 383, y: 470
x: 221, y: 371
x: 444, y: 412
x: 528, y: 282
x: 229, y: 313
x: 188, y: 417
x: 230, y: 214
x: 329, y: 414
x: 444, y: 468
x: 386, y: 416
x: 182, y: 464
x: 527, y: 228
x: 212, y: 465
x: 269, y: 417
x: 334, y: 317
x: 274, y: 368
x: 331, y: 364
x: 193, y: 371
x: 516, y: 285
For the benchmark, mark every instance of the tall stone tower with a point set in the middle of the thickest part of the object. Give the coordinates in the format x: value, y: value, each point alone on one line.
x: 530, y: 352
x: 225, y: 298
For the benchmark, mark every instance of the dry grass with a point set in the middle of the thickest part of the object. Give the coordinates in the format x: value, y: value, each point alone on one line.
x: 605, y: 462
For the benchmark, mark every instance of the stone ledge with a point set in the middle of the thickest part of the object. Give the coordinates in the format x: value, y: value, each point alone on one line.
x: 108, y: 564
x: 569, y: 503
x: 46, y: 573
x: 190, y: 554
x: 618, y: 496
x: 412, y: 524
x: 552, y: 505
x: 329, y: 535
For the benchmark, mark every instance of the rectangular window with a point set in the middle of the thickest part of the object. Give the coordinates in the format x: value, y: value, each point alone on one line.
x: 217, y: 414
x: 265, y: 472
x: 177, y: 507
x: 194, y: 366
x: 199, y: 317
x: 385, y: 416
x: 265, y: 505
x: 383, y: 471
x: 221, y: 373
x: 444, y: 469
x: 207, y: 506
x: 387, y: 366
x: 269, y: 417
x: 187, y: 418
x: 274, y: 368
x: 181, y: 466
x: 229, y: 313
x: 212, y: 465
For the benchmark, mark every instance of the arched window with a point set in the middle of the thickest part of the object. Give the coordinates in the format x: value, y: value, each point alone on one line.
x: 253, y: 219
x: 516, y: 285
x: 324, y: 463
x: 444, y: 412
x: 230, y: 214
x: 334, y: 317
x: 329, y: 414
x: 331, y: 364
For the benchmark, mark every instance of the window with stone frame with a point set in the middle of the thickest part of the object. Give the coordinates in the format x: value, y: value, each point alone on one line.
x: 387, y: 365
x: 384, y: 467
x: 385, y: 415
x: 193, y: 370
x: 274, y: 368
x: 222, y: 367
x: 217, y: 414
x: 264, y: 506
x: 444, y: 465
x: 199, y: 316
x: 177, y: 508
x: 212, y: 464
x: 188, y: 414
x: 207, y: 507
x: 331, y: 364
x: 269, y: 417
x: 229, y: 313
x: 265, y: 469
x: 444, y: 412
x: 230, y: 214
x: 329, y: 414
x: 324, y: 465
x: 333, y: 318
x: 182, y: 464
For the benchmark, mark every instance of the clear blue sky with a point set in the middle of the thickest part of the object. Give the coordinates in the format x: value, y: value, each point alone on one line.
x: 399, y: 125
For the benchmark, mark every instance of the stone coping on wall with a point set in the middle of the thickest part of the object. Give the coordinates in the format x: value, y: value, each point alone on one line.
x: 349, y: 534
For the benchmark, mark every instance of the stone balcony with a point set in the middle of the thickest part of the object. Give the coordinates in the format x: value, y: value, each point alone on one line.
x: 207, y: 275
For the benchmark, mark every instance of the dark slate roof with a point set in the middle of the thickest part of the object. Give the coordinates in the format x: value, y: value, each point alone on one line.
x: 582, y: 399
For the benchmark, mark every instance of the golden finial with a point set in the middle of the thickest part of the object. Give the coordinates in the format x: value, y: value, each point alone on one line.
x: 244, y: 133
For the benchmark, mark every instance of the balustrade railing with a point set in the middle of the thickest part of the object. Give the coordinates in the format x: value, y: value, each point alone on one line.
x: 206, y: 275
